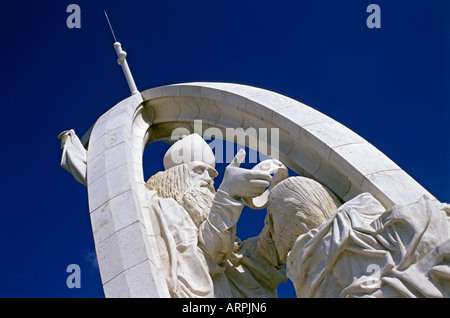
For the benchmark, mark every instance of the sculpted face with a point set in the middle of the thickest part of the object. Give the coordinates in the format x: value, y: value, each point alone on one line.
x: 202, y: 174
x: 190, y: 184
x: 198, y: 200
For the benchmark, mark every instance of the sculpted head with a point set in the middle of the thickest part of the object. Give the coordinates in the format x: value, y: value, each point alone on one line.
x: 188, y: 176
x: 297, y: 205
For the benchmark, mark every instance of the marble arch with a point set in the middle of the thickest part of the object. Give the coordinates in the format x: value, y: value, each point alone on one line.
x: 310, y: 143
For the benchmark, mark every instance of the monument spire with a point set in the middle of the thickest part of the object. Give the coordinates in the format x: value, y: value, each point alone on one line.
x: 121, y: 55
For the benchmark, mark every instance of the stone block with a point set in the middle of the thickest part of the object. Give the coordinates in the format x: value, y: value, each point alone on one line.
x: 393, y: 187
x: 189, y: 108
x: 170, y: 90
x: 230, y: 115
x: 152, y: 93
x: 335, y: 180
x: 107, y: 186
x: 136, y: 282
x: 211, y: 93
x: 122, y: 250
x: 282, y: 118
x: 209, y: 111
x: 259, y: 110
x: 323, y: 136
x: 114, y: 215
x: 235, y: 99
x: 305, y: 156
x: 107, y: 140
x: 190, y: 90
x: 359, y: 160
x: 165, y: 109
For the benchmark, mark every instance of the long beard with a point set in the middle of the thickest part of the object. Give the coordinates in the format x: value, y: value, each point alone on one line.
x: 197, y: 203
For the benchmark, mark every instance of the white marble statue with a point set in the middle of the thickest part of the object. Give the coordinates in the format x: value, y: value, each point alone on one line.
x: 329, y: 249
x: 362, y: 250
x: 198, y: 225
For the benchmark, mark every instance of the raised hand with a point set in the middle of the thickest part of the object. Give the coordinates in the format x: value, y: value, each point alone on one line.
x: 244, y: 183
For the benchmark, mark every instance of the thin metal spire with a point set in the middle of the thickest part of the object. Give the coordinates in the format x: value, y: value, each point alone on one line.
x: 112, y: 31
x: 122, y: 61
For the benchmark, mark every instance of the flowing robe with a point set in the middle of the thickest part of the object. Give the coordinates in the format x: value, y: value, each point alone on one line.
x: 365, y: 251
x: 211, y: 261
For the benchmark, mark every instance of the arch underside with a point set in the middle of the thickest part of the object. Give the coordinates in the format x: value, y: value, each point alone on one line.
x: 310, y: 143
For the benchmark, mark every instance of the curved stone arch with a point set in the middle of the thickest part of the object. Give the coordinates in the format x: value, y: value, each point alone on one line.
x: 311, y: 144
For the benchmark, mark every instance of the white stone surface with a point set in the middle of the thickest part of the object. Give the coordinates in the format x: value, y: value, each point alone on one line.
x: 120, y: 231
x: 340, y: 150
x: 363, y: 250
x: 196, y: 224
x: 311, y: 144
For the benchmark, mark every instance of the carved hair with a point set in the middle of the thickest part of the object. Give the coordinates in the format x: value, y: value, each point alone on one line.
x: 296, y: 205
x: 304, y: 198
x: 176, y: 183
x: 171, y: 183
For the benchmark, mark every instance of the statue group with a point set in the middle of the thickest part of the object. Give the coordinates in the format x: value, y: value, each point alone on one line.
x: 326, y: 247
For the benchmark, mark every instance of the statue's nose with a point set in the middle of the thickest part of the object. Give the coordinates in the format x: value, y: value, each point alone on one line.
x: 206, y: 177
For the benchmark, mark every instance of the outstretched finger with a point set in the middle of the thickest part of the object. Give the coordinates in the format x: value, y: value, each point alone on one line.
x: 238, y: 159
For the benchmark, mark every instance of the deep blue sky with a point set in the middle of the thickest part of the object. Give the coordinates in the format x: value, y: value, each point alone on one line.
x: 389, y: 85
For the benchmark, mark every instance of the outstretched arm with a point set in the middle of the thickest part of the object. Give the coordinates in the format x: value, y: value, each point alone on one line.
x: 74, y: 154
x: 217, y: 234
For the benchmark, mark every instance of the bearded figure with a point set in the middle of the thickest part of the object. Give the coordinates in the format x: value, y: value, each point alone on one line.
x: 197, y: 225
x: 178, y: 183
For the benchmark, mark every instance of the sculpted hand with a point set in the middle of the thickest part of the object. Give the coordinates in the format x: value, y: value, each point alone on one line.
x: 244, y: 183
